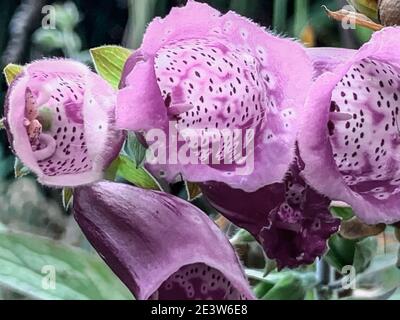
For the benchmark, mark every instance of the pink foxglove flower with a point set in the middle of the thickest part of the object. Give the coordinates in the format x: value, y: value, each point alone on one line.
x: 350, y: 138
x: 201, y: 70
x: 160, y: 246
x: 59, y: 118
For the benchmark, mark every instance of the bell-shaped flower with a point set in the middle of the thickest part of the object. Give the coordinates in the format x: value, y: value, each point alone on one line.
x: 224, y: 83
x: 350, y: 135
x: 60, y: 119
x: 160, y: 246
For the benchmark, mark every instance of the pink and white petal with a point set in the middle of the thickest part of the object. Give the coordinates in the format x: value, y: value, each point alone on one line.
x: 354, y: 159
x: 235, y: 75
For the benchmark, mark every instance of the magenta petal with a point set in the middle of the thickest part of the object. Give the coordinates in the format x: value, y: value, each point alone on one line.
x: 214, y: 72
x: 160, y: 246
x: 349, y: 139
x: 60, y: 121
x: 290, y: 220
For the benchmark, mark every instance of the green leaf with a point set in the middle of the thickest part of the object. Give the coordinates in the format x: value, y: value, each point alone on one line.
x: 289, y: 288
x: 140, y: 177
x: 67, y: 197
x: 109, y: 62
x: 112, y: 170
x: 135, y: 149
x: 2, y: 124
x: 27, y: 262
x: 262, y: 288
x: 341, y: 252
x: 365, y: 250
x: 11, y: 71
x: 345, y: 213
x: 19, y: 169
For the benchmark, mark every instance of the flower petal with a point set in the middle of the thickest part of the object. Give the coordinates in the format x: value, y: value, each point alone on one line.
x: 160, y: 246
x: 355, y: 160
x: 290, y: 220
x: 327, y: 59
x: 216, y: 72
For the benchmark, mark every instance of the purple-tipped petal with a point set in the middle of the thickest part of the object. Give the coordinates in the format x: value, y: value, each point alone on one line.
x: 355, y: 158
x: 160, y: 246
x: 60, y: 122
x: 207, y: 71
x: 290, y: 220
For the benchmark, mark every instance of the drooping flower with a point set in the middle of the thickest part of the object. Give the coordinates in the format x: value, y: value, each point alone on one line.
x: 160, y: 246
x: 204, y: 71
x: 291, y: 221
x: 350, y: 135
x: 59, y: 118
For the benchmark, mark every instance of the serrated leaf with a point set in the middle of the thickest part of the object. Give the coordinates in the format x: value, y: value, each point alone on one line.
x: 140, y: 177
x: 193, y: 190
x: 20, y: 170
x: 109, y: 62
x: 25, y: 261
x: 135, y: 149
x: 67, y: 197
x: 11, y: 71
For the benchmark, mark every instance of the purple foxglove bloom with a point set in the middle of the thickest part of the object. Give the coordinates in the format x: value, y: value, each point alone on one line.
x: 199, y: 69
x: 350, y: 135
x: 59, y: 118
x: 291, y: 221
x: 160, y: 246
